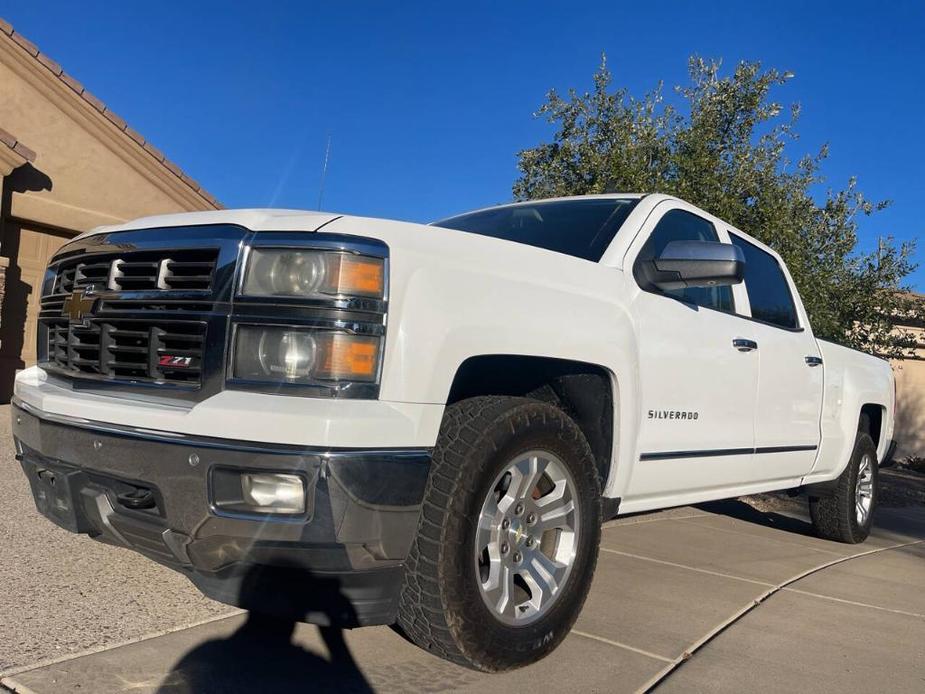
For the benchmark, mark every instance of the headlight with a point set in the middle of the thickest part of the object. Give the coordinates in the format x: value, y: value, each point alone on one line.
x: 304, y: 355
x: 311, y: 273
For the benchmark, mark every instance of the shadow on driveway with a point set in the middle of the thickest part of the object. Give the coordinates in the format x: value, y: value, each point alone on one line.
x: 261, y: 655
x: 890, y: 523
x: 733, y: 508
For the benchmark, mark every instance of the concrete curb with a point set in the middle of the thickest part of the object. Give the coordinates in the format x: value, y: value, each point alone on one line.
x: 5, y: 680
x: 12, y: 686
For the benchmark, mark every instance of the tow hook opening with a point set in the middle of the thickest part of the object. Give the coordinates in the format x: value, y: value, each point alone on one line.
x: 46, y: 476
x: 137, y: 499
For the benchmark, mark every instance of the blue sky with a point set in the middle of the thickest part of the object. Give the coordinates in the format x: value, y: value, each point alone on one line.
x: 427, y: 104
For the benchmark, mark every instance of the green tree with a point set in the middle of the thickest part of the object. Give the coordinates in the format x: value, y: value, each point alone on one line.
x: 725, y: 151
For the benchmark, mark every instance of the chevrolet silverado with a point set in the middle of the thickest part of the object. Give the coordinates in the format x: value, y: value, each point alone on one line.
x: 431, y: 422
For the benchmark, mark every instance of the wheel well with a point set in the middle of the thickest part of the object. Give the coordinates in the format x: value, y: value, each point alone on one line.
x: 583, y: 391
x: 871, y: 421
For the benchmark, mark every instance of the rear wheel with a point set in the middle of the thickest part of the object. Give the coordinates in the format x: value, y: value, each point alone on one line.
x: 508, y: 537
x: 847, y: 515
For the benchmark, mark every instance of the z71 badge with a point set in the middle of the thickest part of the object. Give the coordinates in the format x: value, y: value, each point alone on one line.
x: 182, y: 362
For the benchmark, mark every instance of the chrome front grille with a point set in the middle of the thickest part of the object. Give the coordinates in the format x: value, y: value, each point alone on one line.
x: 180, y: 269
x: 147, y: 314
x: 136, y: 349
x: 141, y: 313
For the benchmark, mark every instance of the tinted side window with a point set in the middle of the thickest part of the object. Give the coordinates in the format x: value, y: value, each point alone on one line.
x: 678, y: 225
x: 768, y: 291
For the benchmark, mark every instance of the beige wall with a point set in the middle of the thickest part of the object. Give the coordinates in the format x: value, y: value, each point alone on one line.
x: 31, y: 246
x: 910, y: 404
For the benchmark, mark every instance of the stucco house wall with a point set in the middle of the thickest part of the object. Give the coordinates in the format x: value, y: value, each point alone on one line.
x: 910, y: 402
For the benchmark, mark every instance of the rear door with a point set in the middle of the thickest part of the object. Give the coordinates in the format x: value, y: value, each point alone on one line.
x: 790, y: 383
x: 697, y: 388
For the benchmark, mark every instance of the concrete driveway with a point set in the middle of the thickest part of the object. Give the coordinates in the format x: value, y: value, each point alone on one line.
x: 714, y: 599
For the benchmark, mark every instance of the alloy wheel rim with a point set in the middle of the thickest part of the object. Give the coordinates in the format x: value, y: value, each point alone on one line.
x: 864, y: 490
x: 527, y: 537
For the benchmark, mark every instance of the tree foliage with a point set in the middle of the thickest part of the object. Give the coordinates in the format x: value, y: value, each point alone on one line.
x: 726, y: 151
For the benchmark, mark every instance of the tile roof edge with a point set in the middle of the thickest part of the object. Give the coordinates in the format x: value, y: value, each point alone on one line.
x: 117, y: 122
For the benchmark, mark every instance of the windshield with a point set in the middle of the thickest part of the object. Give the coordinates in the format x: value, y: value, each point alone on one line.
x: 582, y: 228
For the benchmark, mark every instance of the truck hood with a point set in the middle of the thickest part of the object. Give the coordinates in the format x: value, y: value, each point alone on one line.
x: 256, y: 219
x: 414, y: 246
x: 397, y: 234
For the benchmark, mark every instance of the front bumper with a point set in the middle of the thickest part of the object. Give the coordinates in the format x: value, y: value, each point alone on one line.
x: 341, y: 562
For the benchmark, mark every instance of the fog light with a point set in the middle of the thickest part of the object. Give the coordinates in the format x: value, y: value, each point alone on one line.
x: 273, y: 492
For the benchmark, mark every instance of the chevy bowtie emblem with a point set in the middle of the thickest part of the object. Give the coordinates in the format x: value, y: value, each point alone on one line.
x: 76, y: 305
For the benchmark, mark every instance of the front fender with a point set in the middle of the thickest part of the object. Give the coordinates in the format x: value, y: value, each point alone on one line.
x: 455, y: 295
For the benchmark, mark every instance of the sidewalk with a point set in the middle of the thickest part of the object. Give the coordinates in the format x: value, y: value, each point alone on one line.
x: 673, y: 604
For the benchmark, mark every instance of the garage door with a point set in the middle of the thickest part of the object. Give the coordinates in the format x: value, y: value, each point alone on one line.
x: 28, y: 249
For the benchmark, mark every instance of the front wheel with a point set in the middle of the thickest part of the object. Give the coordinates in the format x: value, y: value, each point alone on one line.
x: 847, y: 515
x: 508, y: 537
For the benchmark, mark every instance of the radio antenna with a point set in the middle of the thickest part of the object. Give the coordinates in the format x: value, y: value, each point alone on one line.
x: 324, y: 171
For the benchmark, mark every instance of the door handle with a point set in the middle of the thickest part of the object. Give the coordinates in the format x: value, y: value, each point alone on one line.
x: 814, y: 361
x: 743, y: 345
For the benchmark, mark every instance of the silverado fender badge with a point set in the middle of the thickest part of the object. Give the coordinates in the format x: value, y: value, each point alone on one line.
x: 673, y: 414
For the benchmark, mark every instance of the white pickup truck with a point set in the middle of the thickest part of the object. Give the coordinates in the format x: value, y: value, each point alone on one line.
x: 360, y: 421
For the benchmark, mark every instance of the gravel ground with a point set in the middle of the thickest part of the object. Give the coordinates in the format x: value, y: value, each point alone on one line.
x: 62, y: 593
x: 902, y: 486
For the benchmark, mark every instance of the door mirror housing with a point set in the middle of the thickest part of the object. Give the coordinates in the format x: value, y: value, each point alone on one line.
x: 685, y: 264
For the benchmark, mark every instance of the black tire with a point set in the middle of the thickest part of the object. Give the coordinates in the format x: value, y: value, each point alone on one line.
x: 441, y: 607
x: 834, y: 517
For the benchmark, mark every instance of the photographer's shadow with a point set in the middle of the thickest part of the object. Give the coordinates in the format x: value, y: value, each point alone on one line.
x: 261, y: 655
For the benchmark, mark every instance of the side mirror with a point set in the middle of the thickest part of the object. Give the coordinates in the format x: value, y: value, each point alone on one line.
x: 697, y: 264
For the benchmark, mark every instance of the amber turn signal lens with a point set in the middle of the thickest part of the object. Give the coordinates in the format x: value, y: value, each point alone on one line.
x: 303, y: 356
x: 347, y: 357
x: 313, y: 274
x: 359, y: 275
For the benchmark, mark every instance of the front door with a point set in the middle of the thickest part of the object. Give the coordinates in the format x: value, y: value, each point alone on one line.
x: 698, y: 378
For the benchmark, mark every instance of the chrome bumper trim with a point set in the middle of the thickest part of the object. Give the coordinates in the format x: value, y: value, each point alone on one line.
x: 204, y: 441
